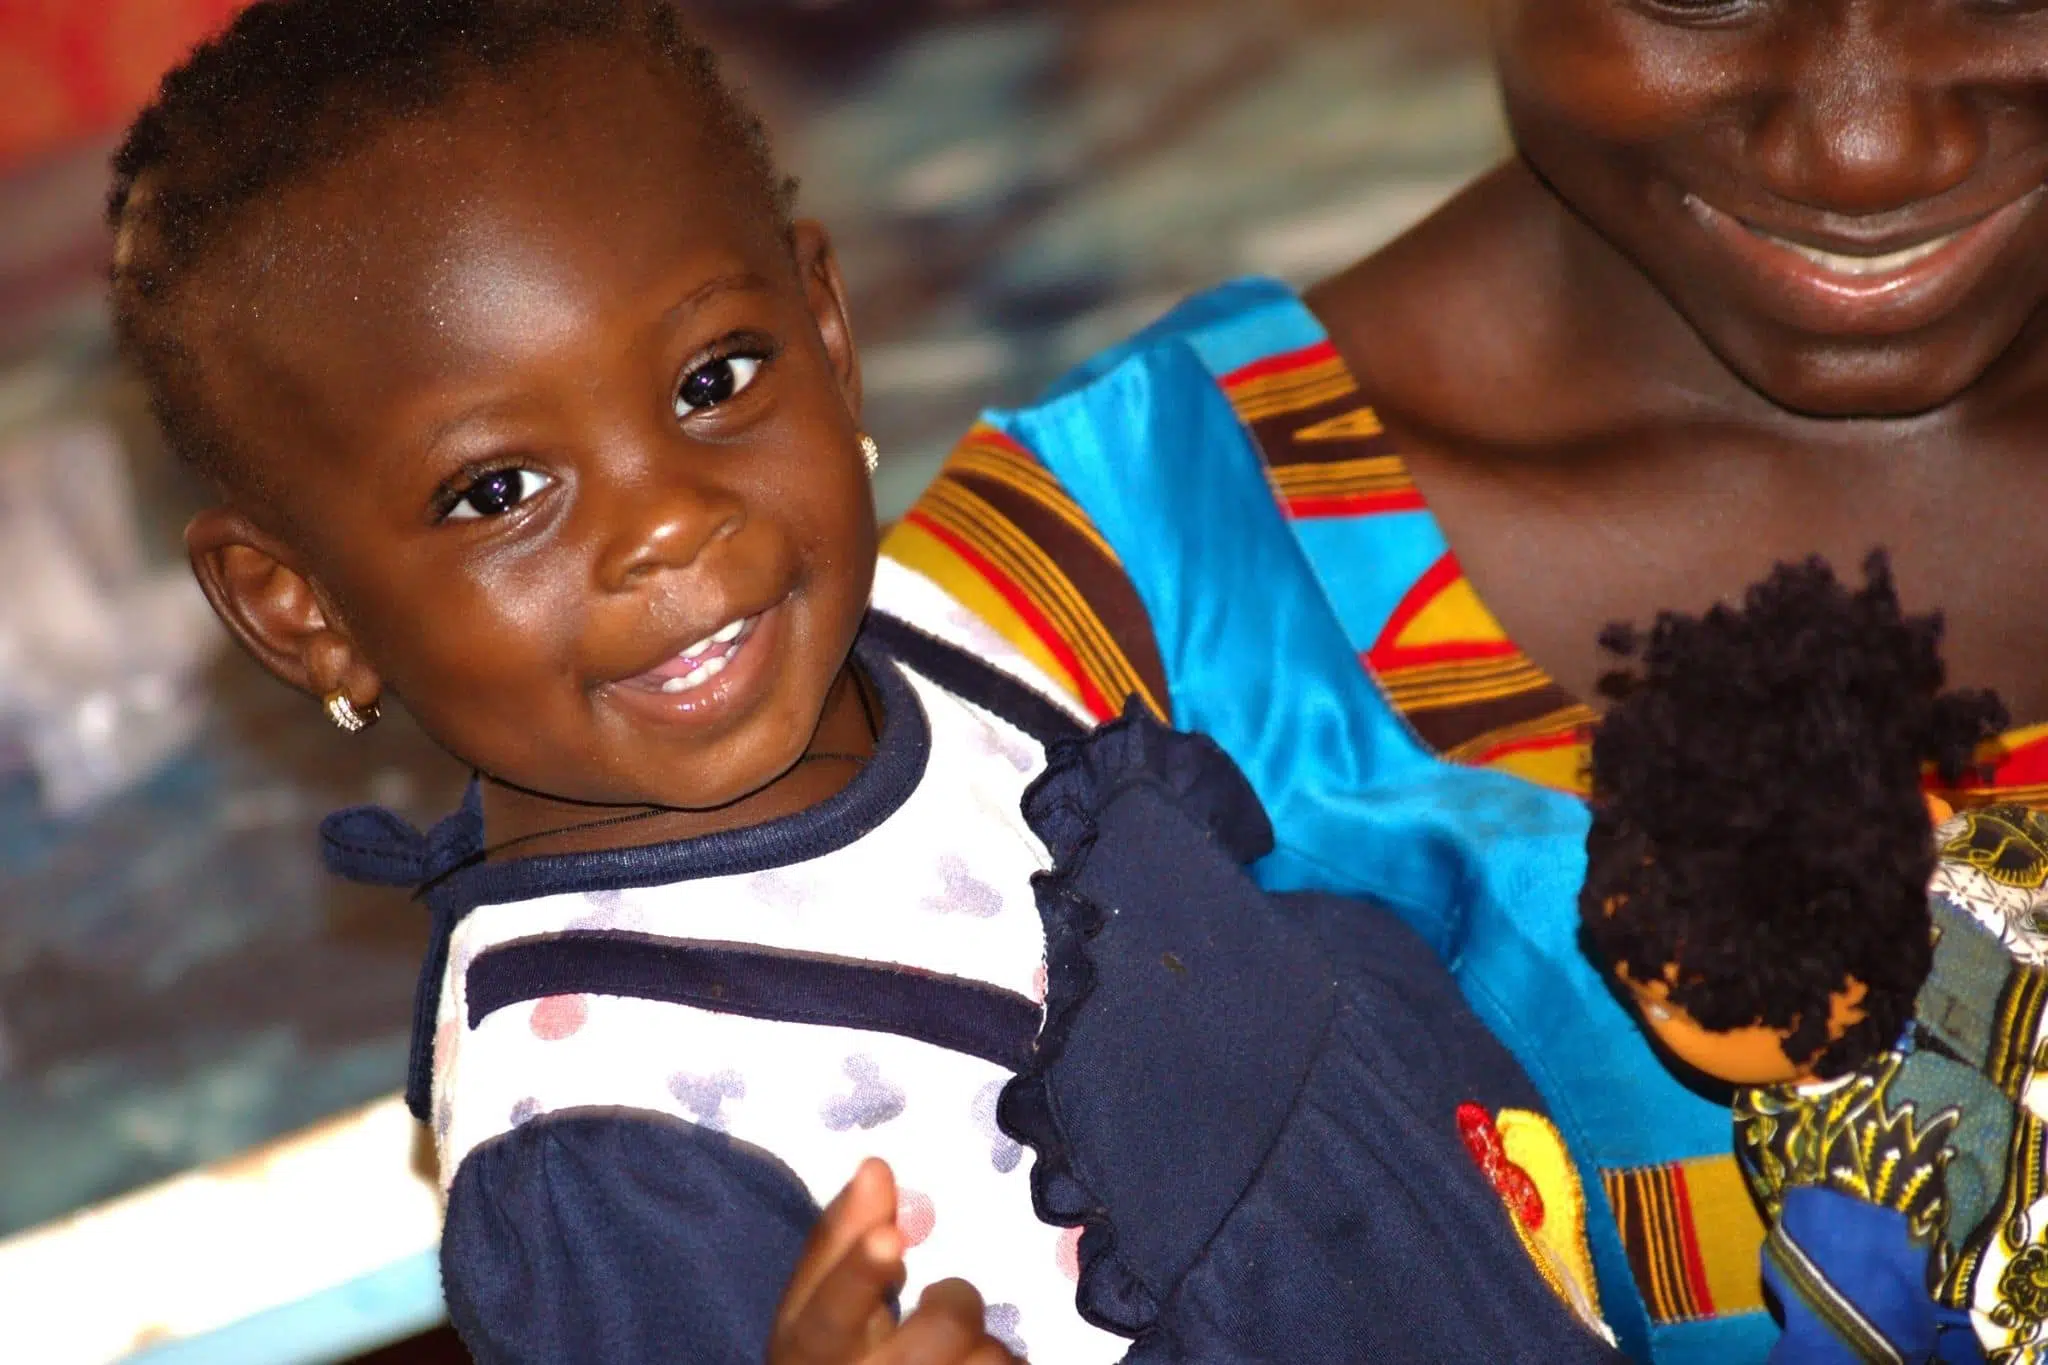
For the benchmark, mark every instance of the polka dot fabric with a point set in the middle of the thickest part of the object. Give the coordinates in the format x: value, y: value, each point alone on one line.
x: 942, y: 884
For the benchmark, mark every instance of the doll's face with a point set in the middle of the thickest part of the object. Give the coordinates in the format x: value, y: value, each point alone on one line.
x: 1754, y: 1055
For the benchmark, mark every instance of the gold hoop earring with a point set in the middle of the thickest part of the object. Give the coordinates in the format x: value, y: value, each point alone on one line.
x: 870, y: 453
x: 347, y: 717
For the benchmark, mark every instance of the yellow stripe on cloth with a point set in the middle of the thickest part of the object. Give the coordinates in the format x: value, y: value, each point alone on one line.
x: 1271, y: 394
x: 1731, y: 1234
x: 1372, y: 474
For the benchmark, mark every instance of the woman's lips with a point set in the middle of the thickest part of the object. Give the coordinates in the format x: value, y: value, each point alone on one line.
x: 1849, y: 289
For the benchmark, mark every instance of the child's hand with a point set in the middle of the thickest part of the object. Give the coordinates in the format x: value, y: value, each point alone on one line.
x: 836, y: 1310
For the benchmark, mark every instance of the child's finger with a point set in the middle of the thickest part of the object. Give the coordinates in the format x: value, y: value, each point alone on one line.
x: 946, y: 1329
x: 992, y: 1352
x: 881, y: 1325
x: 867, y: 1202
x: 846, y: 1315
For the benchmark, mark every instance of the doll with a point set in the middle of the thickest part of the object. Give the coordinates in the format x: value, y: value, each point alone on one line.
x: 1763, y: 886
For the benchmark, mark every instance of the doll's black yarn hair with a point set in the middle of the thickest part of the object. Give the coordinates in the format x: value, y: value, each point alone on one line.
x: 1758, y: 818
x: 294, y: 86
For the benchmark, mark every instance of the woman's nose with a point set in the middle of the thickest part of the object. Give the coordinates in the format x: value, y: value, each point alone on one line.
x: 1867, y: 124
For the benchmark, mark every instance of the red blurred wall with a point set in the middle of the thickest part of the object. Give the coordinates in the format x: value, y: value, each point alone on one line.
x: 73, y: 69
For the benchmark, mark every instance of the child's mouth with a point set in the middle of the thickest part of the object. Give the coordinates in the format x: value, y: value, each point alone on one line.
x: 697, y: 664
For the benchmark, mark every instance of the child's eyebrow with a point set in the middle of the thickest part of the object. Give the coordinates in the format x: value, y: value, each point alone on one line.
x: 736, y: 282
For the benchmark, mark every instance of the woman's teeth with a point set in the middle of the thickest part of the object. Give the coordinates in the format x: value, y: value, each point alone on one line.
x: 1839, y: 264
x: 714, y: 652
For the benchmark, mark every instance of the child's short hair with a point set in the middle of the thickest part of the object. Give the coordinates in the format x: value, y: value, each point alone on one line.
x: 293, y: 86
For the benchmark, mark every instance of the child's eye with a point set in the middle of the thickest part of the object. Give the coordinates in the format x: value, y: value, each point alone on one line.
x: 715, y: 381
x: 496, y: 493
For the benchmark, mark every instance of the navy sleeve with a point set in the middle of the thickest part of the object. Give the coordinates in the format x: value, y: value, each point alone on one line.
x: 619, y: 1236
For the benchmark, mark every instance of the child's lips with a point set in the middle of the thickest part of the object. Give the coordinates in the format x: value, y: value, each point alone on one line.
x: 696, y: 664
x: 711, y: 682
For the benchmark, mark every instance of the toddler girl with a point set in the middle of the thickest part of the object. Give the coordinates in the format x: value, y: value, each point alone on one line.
x: 529, y: 404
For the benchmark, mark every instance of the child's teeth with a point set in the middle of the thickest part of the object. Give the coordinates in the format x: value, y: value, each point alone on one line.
x: 698, y: 676
x: 726, y: 635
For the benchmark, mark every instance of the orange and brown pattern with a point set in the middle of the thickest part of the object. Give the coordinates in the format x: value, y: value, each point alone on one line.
x: 1693, y: 1237
x: 1326, y: 453
x: 998, y: 532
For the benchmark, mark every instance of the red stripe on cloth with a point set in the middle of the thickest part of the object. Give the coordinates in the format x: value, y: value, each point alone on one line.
x: 1310, y: 508
x: 1689, y: 1246
x: 1268, y: 366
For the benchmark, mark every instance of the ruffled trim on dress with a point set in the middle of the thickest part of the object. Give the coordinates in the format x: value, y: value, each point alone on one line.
x: 1081, y: 778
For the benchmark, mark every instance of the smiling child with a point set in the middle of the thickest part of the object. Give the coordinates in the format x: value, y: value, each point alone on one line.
x: 530, y: 405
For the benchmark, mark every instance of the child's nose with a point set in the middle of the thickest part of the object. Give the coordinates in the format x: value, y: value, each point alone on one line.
x: 663, y: 522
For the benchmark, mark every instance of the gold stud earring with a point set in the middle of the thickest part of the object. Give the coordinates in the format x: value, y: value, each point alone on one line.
x: 870, y: 453
x: 347, y: 717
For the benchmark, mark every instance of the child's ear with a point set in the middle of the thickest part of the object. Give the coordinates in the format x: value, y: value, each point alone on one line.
x: 817, y: 267
x: 273, y: 610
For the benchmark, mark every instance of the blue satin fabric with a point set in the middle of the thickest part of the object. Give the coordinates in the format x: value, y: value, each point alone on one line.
x: 1260, y: 625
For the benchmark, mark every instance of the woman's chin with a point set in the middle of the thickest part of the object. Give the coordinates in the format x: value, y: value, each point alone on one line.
x: 1837, y: 380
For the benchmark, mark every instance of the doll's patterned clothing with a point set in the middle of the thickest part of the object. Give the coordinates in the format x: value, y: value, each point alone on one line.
x: 1153, y: 1113
x: 1907, y: 1201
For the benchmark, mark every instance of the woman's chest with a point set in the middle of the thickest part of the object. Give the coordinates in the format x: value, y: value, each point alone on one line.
x: 1559, y: 551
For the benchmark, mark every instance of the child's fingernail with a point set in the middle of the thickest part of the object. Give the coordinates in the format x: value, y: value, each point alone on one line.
x: 884, y: 1244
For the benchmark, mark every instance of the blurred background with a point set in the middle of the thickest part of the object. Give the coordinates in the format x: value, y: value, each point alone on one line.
x: 1011, y: 185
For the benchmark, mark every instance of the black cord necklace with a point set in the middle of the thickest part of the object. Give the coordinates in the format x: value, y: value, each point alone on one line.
x: 869, y: 709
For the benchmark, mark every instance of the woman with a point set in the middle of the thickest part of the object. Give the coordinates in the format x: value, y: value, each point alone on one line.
x: 1764, y: 279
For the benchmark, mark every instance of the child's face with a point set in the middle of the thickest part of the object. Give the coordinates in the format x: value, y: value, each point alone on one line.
x: 563, y: 444
x: 1728, y: 146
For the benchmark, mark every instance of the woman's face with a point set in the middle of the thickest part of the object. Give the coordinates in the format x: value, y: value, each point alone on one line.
x: 1842, y: 197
